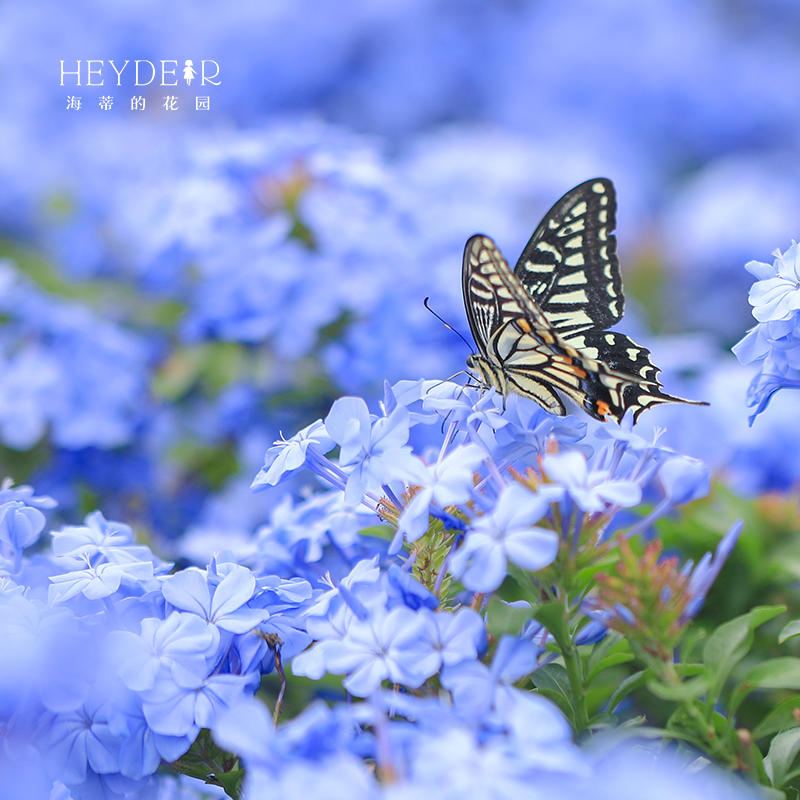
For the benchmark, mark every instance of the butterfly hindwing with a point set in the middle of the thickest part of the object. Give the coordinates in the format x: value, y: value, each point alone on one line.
x: 625, y: 357
x: 570, y: 266
x: 617, y: 351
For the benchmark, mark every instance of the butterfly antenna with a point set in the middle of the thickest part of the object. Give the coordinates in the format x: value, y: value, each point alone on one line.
x: 447, y: 325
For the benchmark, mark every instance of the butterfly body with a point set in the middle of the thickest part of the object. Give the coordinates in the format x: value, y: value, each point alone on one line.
x: 540, y: 329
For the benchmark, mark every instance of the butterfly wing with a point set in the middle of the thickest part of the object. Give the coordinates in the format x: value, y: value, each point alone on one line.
x: 511, y: 333
x: 570, y: 269
x: 518, y: 348
x: 624, y: 357
x: 570, y: 266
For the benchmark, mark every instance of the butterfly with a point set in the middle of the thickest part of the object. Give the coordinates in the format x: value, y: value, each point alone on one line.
x: 542, y: 329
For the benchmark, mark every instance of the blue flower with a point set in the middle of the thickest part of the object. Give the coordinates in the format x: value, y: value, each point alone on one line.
x: 175, y: 709
x: 181, y: 645
x: 684, y: 479
x: 705, y: 573
x: 479, y: 690
x: 507, y: 533
x: 223, y: 603
x: 593, y: 491
x: 776, y: 293
x: 458, y: 636
x: 20, y: 525
x: 385, y: 646
x: 374, y: 452
x: 97, y: 582
x: 404, y: 588
x: 285, y: 458
x: 82, y: 741
x: 447, y: 482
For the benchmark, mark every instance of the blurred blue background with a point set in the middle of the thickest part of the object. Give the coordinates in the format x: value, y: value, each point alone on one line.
x: 179, y: 287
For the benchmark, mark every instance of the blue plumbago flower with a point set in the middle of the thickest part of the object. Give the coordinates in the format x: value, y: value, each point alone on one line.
x: 708, y: 568
x: 447, y: 482
x: 100, y: 557
x: 285, y: 458
x: 507, y: 533
x: 479, y: 690
x: 20, y: 524
x: 103, y: 539
x: 457, y: 637
x: 529, y: 428
x: 780, y: 370
x: 173, y: 709
x: 684, y: 479
x: 403, y: 589
x: 303, y: 538
x: 181, y: 645
x: 98, y: 582
x: 82, y: 741
x: 24, y: 494
x: 373, y: 453
x: 469, y: 497
x: 224, y: 603
x: 776, y: 293
x: 775, y: 298
x: 593, y: 491
x: 79, y: 374
x: 389, y: 646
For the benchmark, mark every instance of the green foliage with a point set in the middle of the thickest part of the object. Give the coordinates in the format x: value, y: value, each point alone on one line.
x: 723, y: 686
x: 207, y: 762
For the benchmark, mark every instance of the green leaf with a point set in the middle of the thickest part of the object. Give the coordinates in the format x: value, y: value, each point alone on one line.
x: 686, y: 690
x: 611, y: 660
x: 561, y: 702
x: 690, y: 642
x: 231, y: 782
x: 585, y: 576
x: 730, y: 643
x: 503, y: 617
x: 601, y: 649
x: 385, y: 532
x: 604, y: 721
x: 630, y: 684
x: 777, y: 673
x: 780, y: 718
x: 554, y: 678
x: 789, y: 630
x: 782, y: 752
x: 768, y: 793
x: 762, y: 614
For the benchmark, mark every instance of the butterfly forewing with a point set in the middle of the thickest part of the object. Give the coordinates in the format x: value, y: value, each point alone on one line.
x: 570, y: 267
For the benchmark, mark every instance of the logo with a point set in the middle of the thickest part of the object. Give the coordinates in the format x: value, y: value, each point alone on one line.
x: 141, y: 73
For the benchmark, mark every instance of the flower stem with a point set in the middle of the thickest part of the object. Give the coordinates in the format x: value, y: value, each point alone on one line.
x: 572, y: 662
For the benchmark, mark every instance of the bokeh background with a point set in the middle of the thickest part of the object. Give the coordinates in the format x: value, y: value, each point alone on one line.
x: 179, y: 288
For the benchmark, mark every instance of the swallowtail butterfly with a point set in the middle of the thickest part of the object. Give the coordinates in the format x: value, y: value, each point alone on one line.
x: 542, y: 327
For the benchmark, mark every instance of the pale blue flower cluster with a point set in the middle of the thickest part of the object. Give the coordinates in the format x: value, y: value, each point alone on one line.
x: 110, y: 664
x: 775, y: 297
x: 426, y: 750
x: 66, y: 370
x: 463, y: 480
x: 115, y: 663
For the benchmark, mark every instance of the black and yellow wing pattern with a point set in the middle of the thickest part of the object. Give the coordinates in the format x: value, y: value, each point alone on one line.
x: 542, y: 327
